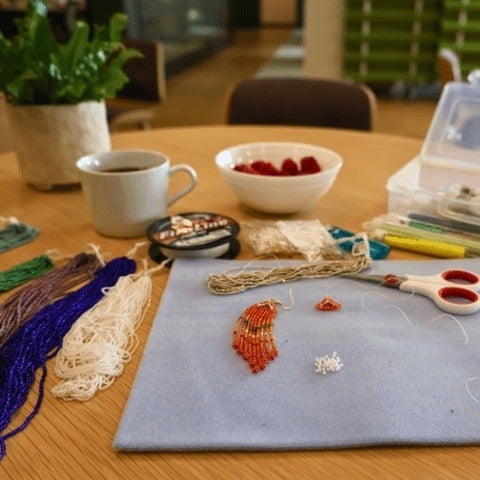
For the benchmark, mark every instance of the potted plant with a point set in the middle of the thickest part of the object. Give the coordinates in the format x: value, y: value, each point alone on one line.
x: 56, y: 92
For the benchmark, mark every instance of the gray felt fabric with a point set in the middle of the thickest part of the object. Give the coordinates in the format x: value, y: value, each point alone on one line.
x: 401, y: 383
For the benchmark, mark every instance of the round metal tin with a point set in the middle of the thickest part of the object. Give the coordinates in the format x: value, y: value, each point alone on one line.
x: 193, y: 235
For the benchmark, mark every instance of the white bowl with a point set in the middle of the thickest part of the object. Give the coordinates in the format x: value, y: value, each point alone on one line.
x: 278, y: 194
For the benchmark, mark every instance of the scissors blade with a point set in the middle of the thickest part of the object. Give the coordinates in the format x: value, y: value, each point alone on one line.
x: 390, y: 280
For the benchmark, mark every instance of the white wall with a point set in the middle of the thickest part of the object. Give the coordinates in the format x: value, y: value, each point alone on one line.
x: 323, y: 38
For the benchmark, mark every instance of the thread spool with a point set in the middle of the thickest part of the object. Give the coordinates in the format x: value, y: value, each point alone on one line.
x: 194, y: 235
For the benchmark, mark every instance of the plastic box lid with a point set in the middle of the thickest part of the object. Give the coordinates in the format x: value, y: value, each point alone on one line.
x: 451, y: 150
x: 444, y: 179
x: 454, y: 133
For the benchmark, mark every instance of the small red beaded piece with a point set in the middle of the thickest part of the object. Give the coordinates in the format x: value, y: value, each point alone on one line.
x: 253, y: 335
x: 328, y: 304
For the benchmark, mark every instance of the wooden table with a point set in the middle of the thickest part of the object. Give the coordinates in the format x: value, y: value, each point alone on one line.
x: 73, y: 440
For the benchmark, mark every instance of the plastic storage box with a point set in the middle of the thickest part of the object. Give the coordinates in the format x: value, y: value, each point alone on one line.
x: 444, y: 179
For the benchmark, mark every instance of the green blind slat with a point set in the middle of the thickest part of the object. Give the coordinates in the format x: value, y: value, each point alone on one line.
x: 385, y: 40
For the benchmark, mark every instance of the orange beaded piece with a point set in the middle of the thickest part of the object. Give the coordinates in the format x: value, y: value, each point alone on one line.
x: 328, y: 304
x: 253, y: 335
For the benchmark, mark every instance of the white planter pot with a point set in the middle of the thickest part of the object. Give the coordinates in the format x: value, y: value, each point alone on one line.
x: 49, y: 139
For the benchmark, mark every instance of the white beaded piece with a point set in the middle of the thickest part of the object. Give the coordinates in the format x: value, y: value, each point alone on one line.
x: 328, y: 364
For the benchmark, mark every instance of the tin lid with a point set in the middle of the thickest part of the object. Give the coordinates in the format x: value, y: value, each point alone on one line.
x: 193, y: 231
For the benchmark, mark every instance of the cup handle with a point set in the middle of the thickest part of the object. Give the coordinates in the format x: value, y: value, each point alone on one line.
x: 193, y: 181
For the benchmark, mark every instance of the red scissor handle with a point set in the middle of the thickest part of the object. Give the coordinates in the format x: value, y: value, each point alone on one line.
x: 449, y: 293
x: 453, y: 275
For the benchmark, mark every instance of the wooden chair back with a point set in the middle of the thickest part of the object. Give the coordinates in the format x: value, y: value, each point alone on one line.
x: 448, y: 64
x: 302, y: 101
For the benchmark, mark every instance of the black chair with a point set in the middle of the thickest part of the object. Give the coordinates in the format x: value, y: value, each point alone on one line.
x: 146, y: 74
x: 302, y: 101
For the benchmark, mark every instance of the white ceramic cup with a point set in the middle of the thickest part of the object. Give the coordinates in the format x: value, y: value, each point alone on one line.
x: 127, y: 190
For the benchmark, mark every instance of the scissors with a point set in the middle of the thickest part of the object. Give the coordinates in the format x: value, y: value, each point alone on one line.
x: 453, y: 291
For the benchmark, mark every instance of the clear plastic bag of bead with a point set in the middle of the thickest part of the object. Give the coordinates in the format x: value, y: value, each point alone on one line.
x: 291, y: 238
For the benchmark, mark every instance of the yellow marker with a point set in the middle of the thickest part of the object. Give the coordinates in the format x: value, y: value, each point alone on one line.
x: 428, y: 247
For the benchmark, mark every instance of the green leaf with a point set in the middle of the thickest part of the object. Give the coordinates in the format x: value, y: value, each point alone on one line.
x: 116, y: 27
x: 21, y: 88
x: 75, y: 49
x: 35, y: 68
